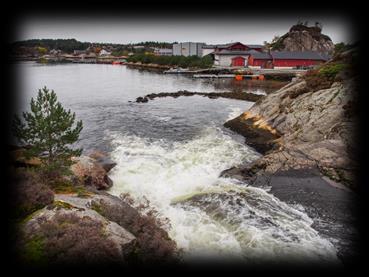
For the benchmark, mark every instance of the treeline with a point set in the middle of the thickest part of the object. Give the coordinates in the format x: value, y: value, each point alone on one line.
x: 69, y: 45
x: 181, y: 61
x: 65, y: 45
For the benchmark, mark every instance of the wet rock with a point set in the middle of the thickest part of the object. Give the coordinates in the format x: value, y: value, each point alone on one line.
x: 142, y: 100
x: 330, y: 205
x: 211, y: 95
x: 91, y: 173
x: 266, y: 228
x: 103, y: 159
x: 262, y: 139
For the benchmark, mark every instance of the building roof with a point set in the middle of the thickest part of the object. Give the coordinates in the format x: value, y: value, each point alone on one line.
x: 225, y: 45
x: 298, y: 55
x: 254, y: 46
x: 290, y: 55
x: 261, y: 55
x: 230, y: 52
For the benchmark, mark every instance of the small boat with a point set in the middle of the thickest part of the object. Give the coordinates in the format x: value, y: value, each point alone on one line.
x: 176, y: 70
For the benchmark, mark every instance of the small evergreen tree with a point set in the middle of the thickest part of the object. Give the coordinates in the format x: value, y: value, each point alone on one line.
x: 48, y: 129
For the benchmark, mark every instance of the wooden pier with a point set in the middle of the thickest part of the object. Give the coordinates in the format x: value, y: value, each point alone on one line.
x: 225, y: 76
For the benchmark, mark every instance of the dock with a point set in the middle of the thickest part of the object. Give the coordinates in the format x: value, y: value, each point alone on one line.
x: 225, y: 76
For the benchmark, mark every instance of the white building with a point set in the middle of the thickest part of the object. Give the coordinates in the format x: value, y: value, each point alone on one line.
x: 103, y: 52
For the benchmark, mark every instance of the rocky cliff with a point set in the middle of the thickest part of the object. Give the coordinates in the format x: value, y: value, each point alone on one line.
x: 304, y: 38
x: 308, y: 123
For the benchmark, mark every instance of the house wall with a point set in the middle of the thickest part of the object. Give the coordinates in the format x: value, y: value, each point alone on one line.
x: 207, y: 51
x: 294, y: 63
x: 226, y: 60
x: 258, y: 62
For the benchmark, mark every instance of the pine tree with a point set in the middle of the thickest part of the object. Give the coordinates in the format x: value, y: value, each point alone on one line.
x: 49, y: 130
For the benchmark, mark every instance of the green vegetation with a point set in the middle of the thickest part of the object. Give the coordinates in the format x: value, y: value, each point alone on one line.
x: 191, y: 62
x: 34, y: 251
x: 342, y: 47
x: 58, y: 204
x: 332, y: 69
x: 69, y: 45
x: 65, y: 45
x: 42, y: 50
x: 324, y: 76
x: 49, y: 130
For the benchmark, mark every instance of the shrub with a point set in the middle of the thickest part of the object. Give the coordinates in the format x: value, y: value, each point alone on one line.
x: 191, y: 61
x: 316, y: 81
x: 153, y: 241
x: 29, y: 194
x: 70, y: 239
x: 331, y: 70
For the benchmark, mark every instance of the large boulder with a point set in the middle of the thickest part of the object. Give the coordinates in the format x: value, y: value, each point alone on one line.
x: 69, y: 232
x: 304, y: 38
x: 91, y: 172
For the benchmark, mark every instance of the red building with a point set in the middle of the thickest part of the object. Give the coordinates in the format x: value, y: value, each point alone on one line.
x: 291, y: 59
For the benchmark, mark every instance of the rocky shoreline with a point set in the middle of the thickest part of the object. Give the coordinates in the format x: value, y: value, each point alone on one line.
x: 305, y: 134
x: 75, y: 221
x: 252, y: 97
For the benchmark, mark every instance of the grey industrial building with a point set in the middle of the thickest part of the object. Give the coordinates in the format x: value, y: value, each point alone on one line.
x: 188, y: 49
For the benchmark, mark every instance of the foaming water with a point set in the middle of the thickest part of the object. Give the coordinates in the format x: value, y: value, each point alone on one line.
x: 210, y: 215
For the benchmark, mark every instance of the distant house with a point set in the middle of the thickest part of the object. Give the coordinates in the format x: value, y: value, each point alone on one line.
x: 79, y: 52
x: 286, y: 59
x: 103, y: 52
x: 163, y: 51
x: 55, y: 52
x: 138, y: 47
x: 188, y: 49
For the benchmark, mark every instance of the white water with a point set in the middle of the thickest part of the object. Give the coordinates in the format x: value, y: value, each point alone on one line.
x: 164, y: 172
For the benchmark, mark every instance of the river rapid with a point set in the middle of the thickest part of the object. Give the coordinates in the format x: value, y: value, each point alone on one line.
x: 171, y: 152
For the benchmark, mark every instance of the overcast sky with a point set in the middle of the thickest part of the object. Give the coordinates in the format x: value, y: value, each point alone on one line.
x: 219, y: 29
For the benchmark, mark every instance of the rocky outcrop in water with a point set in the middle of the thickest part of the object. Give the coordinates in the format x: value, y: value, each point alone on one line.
x: 304, y: 38
x: 252, y: 97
